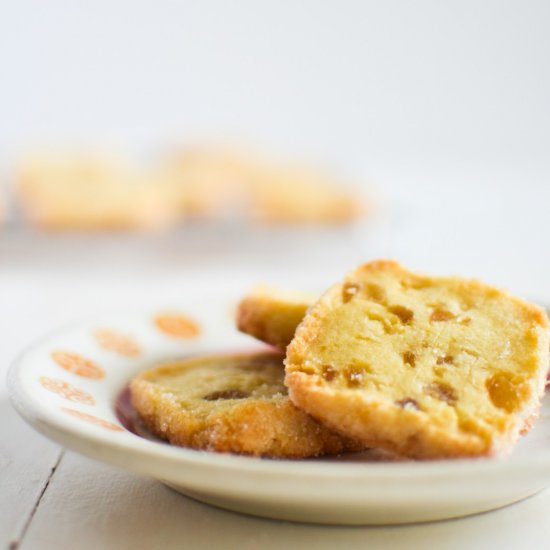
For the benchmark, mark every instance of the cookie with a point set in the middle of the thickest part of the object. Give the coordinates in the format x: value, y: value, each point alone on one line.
x: 272, y: 315
x: 92, y: 192
x: 299, y: 195
x: 427, y: 367
x: 217, y: 183
x: 211, y: 183
x: 233, y: 403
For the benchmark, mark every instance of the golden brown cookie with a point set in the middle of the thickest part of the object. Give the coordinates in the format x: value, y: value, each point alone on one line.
x: 232, y: 403
x: 299, y: 195
x: 427, y: 367
x: 92, y: 192
x: 211, y: 183
x: 216, y: 183
x: 272, y: 315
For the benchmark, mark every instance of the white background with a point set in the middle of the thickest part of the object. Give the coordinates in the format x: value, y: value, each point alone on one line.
x: 440, y: 108
x: 440, y: 111
x: 363, y: 82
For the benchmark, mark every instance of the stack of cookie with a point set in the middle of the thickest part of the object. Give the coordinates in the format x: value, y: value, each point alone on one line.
x: 97, y: 191
x: 423, y: 367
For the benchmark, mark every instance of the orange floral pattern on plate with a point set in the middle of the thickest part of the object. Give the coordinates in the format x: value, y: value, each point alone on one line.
x: 119, y: 343
x: 177, y: 325
x: 77, y: 364
x: 93, y: 419
x: 64, y: 389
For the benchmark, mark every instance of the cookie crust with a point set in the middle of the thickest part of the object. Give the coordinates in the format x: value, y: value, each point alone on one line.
x: 272, y: 315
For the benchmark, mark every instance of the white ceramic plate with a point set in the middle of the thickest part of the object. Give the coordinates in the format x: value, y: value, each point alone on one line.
x: 68, y: 386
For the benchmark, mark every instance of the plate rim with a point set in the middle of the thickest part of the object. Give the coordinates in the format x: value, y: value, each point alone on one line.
x: 38, y: 416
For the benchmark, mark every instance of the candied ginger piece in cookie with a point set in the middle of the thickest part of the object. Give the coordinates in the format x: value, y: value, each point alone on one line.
x: 427, y: 367
x: 272, y: 315
x: 233, y: 403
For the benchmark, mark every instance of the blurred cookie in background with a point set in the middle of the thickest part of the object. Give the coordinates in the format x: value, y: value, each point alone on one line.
x: 86, y: 191
x: 217, y: 183
x: 212, y: 183
x: 301, y: 195
x: 92, y: 191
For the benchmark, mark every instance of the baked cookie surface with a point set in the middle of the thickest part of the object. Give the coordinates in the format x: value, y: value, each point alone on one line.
x: 272, y: 315
x: 427, y: 367
x: 233, y: 403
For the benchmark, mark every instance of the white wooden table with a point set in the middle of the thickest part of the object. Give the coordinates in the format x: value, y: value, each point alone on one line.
x: 55, y: 499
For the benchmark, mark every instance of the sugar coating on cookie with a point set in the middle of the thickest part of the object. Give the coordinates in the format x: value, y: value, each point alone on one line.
x: 232, y: 403
x: 428, y: 367
x: 272, y: 315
